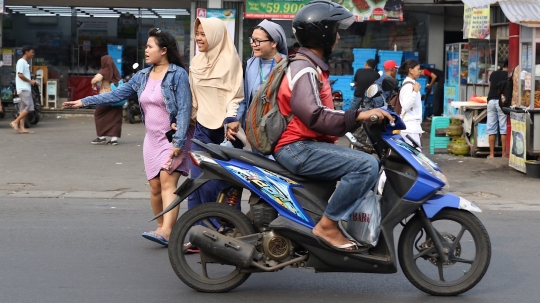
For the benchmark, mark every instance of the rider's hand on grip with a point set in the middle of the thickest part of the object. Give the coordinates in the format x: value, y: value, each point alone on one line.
x: 372, y: 113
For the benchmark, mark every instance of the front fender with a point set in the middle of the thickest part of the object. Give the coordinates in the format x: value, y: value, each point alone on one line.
x: 438, y: 202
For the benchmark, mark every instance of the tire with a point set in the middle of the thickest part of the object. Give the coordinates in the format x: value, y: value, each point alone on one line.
x: 129, y: 116
x: 35, y: 115
x: 177, y: 257
x: 416, y: 272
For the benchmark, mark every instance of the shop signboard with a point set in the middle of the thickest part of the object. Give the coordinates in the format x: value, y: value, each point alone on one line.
x: 518, y: 153
x: 364, y: 10
x: 228, y: 16
x: 476, y: 22
x: 7, y: 57
x: 175, y: 28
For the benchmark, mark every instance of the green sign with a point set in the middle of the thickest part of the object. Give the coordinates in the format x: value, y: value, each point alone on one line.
x: 261, y: 9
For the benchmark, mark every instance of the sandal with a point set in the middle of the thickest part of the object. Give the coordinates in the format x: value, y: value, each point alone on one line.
x: 14, y: 127
x: 191, y: 249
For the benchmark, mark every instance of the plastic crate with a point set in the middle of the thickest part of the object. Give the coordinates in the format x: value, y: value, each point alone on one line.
x: 364, y: 52
x: 423, y: 83
x: 390, y: 55
x: 438, y: 142
x: 411, y: 55
x: 115, y: 51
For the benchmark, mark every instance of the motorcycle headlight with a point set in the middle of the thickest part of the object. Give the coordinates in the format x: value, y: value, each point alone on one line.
x: 439, y: 175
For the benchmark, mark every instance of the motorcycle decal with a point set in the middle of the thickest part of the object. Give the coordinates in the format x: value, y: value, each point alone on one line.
x: 271, y: 185
x: 415, y: 152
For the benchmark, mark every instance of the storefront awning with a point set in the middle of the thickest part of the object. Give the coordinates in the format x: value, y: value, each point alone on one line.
x: 524, y: 12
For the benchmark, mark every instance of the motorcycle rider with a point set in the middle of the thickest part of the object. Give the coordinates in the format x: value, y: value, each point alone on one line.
x: 307, y: 147
x: 387, y: 82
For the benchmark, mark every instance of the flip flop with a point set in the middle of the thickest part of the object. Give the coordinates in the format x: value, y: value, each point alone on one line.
x: 27, y: 132
x: 153, y: 236
x: 14, y: 127
x: 346, y: 248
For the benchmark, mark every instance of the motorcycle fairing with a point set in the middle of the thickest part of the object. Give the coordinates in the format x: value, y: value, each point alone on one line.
x: 438, y: 202
x: 425, y: 183
x: 273, y: 188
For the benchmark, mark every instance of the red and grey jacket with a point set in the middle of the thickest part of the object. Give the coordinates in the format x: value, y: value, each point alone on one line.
x: 306, y: 93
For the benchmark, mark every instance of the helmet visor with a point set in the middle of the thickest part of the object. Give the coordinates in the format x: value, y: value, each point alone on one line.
x: 345, y: 23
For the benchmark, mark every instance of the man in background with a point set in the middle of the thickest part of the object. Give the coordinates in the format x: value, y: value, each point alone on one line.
x: 435, y: 77
x: 23, y: 85
x: 363, y: 78
x: 496, y: 118
x: 390, y: 83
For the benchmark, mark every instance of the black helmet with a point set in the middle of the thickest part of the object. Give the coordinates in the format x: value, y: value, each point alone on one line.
x: 317, y: 23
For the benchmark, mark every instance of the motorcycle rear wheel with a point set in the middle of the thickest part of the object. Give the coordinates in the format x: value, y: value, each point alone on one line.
x: 469, y: 251
x: 221, y: 217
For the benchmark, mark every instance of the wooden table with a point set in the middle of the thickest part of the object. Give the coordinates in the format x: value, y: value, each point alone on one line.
x: 473, y: 113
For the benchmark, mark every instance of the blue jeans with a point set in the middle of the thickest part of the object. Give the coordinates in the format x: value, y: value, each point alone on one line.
x: 355, y: 103
x: 211, y: 189
x: 357, y: 171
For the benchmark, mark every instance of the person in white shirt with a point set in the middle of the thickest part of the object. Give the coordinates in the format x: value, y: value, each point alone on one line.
x: 23, y: 84
x: 411, y: 102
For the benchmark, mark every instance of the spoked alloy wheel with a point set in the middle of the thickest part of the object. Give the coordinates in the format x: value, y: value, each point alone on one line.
x: 200, y: 272
x: 466, y: 242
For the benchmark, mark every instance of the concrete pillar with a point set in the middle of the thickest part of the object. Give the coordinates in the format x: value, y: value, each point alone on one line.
x: 435, y: 41
x: 215, y: 3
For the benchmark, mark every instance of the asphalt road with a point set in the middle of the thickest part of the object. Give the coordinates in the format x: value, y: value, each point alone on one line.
x: 90, y: 250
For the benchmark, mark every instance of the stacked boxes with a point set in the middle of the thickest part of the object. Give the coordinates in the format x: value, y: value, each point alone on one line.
x: 115, y: 51
x: 343, y: 84
x: 389, y: 55
x: 361, y: 55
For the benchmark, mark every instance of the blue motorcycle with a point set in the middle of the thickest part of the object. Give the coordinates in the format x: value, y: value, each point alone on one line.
x: 443, y: 248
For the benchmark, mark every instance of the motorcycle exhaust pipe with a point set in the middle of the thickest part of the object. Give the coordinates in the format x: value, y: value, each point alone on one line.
x: 221, y: 247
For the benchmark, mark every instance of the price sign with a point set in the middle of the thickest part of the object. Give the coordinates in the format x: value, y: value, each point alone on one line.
x: 259, y: 9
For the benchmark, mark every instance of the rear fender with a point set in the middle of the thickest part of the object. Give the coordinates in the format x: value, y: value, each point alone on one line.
x: 438, y: 202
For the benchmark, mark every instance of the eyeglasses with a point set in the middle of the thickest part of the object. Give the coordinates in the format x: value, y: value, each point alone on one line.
x: 257, y: 42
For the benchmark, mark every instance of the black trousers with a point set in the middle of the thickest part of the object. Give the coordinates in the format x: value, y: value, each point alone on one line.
x: 438, y: 99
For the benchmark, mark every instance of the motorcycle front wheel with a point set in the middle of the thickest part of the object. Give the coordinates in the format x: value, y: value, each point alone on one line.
x: 465, y: 241
x: 194, y: 269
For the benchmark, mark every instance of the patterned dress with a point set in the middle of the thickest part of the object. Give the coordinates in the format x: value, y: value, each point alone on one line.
x: 156, y: 147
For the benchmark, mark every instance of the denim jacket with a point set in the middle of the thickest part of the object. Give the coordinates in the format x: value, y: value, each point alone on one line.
x: 175, y: 90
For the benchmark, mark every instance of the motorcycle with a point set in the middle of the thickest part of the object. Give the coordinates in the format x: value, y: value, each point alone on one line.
x: 443, y: 249
x: 337, y: 96
x: 132, y: 107
x: 359, y: 139
x: 34, y: 116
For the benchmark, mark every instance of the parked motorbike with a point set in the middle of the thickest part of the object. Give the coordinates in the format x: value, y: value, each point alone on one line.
x: 337, y: 96
x: 33, y: 117
x: 132, y: 107
x: 443, y: 248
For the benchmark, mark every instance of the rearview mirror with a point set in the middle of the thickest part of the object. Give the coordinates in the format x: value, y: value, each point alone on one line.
x: 372, y: 90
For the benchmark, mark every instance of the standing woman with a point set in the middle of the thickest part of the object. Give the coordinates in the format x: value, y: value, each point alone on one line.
x: 411, y: 102
x: 108, y: 118
x: 217, y: 86
x: 165, y: 98
x: 269, y: 43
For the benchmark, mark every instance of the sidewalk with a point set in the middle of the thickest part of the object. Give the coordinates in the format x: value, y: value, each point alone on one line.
x: 58, y: 161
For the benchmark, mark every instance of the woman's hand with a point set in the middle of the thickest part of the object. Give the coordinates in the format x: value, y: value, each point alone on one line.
x: 73, y: 104
x: 176, y: 152
x: 173, y: 126
x: 417, y: 87
x: 232, y: 129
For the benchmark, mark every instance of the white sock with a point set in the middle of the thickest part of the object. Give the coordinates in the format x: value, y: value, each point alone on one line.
x: 101, y: 138
x: 114, y: 139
